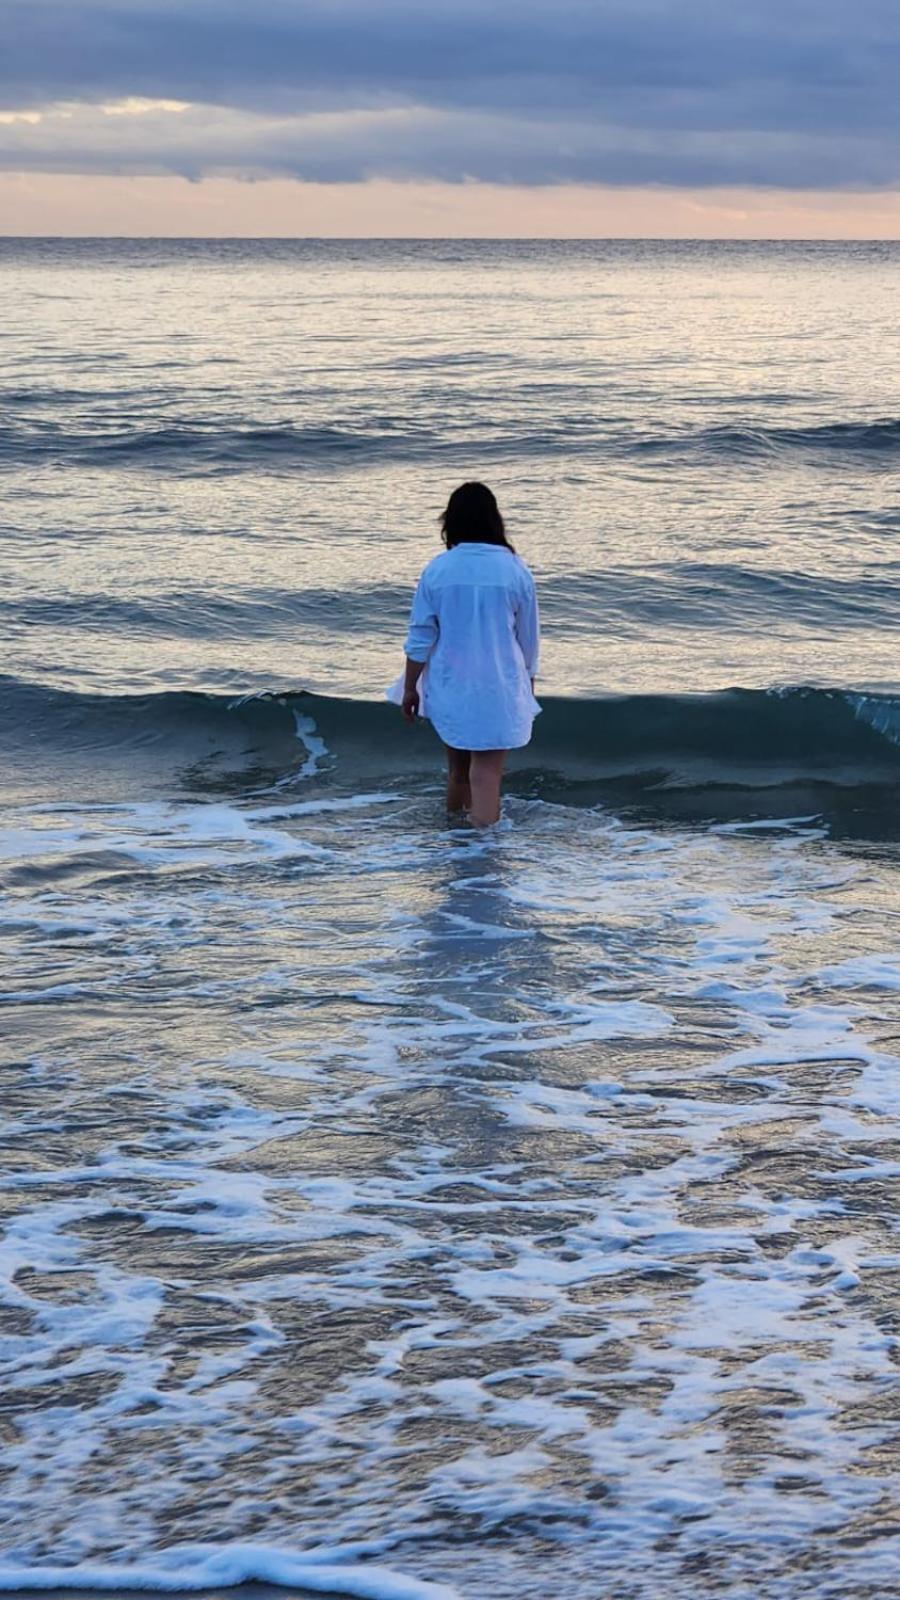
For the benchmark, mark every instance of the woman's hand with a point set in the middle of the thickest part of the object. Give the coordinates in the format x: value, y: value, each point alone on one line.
x: 410, y: 701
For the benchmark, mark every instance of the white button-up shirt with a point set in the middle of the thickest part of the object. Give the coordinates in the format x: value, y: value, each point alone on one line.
x: 474, y: 623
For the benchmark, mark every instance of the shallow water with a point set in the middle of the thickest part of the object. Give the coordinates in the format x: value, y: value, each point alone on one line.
x: 503, y: 1206
x: 436, y: 1213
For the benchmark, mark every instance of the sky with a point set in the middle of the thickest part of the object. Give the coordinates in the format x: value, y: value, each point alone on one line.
x: 566, y: 118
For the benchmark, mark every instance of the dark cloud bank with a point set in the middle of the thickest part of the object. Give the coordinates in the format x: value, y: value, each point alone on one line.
x: 802, y: 93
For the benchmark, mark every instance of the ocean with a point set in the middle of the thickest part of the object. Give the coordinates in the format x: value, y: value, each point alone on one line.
x: 392, y: 1210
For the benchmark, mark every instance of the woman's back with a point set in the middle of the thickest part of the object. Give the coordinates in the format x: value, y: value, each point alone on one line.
x: 474, y: 620
x: 477, y: 591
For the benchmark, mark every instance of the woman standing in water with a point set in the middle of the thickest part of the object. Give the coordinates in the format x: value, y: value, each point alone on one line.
x: 472, y: 651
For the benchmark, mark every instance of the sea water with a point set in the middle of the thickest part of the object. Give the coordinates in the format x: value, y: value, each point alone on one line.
x: 389, y: 1209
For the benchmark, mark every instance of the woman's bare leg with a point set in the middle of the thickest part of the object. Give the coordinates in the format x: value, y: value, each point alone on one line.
x: 459, y: 795
x: 485, y: 775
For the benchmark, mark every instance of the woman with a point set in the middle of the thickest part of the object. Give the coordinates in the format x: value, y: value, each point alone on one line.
x: 472, y: 651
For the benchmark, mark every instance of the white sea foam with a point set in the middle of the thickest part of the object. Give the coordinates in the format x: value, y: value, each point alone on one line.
x: 475, y: 1209
x: 313, y: 743
x: 183, y: 1570
x: 879, y: 971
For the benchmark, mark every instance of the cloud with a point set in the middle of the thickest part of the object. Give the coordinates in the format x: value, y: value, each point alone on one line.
x: 800, y: 93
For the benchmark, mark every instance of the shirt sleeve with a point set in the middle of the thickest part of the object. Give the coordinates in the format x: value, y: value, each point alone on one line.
x: 423, y: 624
x: 528, y: 626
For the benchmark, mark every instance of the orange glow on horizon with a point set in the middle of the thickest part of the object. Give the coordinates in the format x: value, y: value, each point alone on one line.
x: 147, y: 207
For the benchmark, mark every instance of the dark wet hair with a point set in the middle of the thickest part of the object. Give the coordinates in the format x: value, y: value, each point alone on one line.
x: 473, y: 517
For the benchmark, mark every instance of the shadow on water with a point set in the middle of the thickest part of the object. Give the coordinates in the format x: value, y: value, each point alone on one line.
x: 865, y: 812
